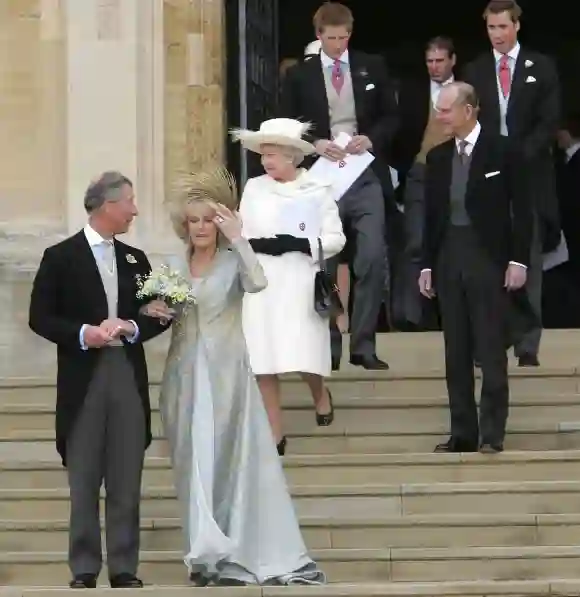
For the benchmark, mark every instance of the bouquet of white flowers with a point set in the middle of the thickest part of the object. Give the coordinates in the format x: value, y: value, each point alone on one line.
x: 165, y: 284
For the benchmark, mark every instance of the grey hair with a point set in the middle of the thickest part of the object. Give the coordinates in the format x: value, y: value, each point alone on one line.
x: 466, y: 94
x: 294, y: 154
x: 105, y: 188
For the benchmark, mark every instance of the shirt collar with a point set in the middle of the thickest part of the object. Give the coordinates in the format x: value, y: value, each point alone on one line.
x: 327, y: 61
x: 513, y: 53
x: 471, y: 139
x: 437, y: 85
x: 93, y: 237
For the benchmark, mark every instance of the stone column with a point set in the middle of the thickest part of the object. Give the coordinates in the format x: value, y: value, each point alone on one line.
x: 194, y: 87
x: 113, y: 90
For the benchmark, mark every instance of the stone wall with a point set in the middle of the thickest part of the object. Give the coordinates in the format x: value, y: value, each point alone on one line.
x: 32, y: 118
x: 194, y: 86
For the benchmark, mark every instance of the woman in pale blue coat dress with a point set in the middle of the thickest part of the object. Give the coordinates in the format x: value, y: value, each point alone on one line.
x: 238, y: 519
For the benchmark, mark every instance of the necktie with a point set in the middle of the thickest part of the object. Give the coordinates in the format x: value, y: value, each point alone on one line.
x: 108, y: 255
x: 337, y: 77
x: 505, y: 76
x: 463, y: 151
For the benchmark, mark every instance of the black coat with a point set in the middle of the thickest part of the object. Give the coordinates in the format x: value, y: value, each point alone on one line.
x: 533, y: 118
x: 303, y: 97
x: 67, y: 293
x: 499, y: 208
x: 490, y: 201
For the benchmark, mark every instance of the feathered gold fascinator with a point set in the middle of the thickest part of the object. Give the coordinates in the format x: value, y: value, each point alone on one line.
x: 214, y: 187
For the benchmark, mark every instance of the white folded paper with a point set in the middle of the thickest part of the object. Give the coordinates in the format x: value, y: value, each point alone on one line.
x: 341, y: 174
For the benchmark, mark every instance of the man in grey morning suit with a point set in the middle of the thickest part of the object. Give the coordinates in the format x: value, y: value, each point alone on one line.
x: 347, y: 91
x: 84, y: 300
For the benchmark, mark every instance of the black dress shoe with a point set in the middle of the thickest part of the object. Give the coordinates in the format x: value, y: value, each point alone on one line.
x: 199, y: 579
x: 491, y: 448
x: 455, y: 445
x: 326, y: 419
x: 528, y: 360
x: 335, y: 364
x: 281, y: 446
x: 84, y: 581
x: 126, y: 581
x: 230, y: 582
x: 371, y: 363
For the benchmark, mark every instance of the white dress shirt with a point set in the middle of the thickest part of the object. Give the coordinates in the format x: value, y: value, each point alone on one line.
x: 100, y: 249
x: 436, y: 88
x: 570, y: 152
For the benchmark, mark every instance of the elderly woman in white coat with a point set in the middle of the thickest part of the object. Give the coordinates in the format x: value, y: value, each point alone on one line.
x: 287, y: 215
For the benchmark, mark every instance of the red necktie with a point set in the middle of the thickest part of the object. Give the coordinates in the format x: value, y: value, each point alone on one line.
x: 505, y: 76
x: 337, y: 77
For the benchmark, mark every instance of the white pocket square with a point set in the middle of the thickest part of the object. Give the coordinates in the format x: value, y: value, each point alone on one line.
x: 370, y: 86
x: 490, y: 174
x: 531, y: 79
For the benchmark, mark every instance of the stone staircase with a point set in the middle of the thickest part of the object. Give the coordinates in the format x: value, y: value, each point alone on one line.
x: 380, y: 512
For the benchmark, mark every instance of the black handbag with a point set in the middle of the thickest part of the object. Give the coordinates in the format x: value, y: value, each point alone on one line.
x: 327, y: 301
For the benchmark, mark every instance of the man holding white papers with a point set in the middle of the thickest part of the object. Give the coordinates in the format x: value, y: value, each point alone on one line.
x: 340, y: 91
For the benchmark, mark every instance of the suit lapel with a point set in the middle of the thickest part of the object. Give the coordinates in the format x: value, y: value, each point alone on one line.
x: 489, y: 74
x: 88, y: 266
x: 125, y: 284
x: 318, y: 94
x: 478, y: 163
x: 360, y: 78
x: 445, y: 173
x: 518, y: 78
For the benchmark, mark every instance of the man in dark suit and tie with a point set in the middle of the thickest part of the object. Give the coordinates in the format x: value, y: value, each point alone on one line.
x: 84, y: 300
x: 478, y: 230
x: 343, y: 91
x: 417, y: 99
x: 419, y: 131
x: 520, y: 98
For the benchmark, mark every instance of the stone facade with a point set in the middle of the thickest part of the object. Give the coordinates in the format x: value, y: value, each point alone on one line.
x: 90, y: 85
x: 135, y: 85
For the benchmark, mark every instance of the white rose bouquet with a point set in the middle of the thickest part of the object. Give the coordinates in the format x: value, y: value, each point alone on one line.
x: 167, y: 285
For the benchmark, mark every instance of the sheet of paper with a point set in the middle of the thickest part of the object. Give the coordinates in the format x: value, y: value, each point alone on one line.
x: 300, y: 218
x: 341, y: 174
x: 556, y: 257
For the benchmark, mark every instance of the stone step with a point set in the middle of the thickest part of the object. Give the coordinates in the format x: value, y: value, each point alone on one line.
x: 355, y: 416
x: 342, y: 565
x: 420, y: 380
x: 326, y: 532
x: 345, y: 501
x: 338, y: 438
x: 24, y: 471
x: 479, y: 588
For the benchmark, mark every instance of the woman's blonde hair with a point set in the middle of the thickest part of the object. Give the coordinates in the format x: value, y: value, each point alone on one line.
x: 215, y: 187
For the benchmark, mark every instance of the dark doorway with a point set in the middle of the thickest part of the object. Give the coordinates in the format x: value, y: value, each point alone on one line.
x: 400, y: 33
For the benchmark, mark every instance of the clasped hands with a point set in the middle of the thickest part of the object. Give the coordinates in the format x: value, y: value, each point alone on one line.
x: 357, y: 145
x: 97, y: 336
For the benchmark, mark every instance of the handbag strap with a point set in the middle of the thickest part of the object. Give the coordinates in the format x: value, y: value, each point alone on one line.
x: 321, y: 256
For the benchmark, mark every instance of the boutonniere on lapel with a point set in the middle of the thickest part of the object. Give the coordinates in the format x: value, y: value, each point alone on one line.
x: 528, y: 63
x: 130, y: 259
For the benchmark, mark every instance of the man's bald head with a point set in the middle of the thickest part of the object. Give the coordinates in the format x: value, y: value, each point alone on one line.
x: 461, y: 93
x: 457, y: 107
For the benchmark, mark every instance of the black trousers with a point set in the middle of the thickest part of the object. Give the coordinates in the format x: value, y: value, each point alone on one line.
x: 473, y: 303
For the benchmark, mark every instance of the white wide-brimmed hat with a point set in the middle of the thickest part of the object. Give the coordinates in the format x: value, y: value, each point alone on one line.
x: 313, y: 48
x: 285, y: 132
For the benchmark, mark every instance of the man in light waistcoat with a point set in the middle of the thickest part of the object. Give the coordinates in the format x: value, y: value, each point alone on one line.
x: 344, y: 91
x: 84, y: 300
